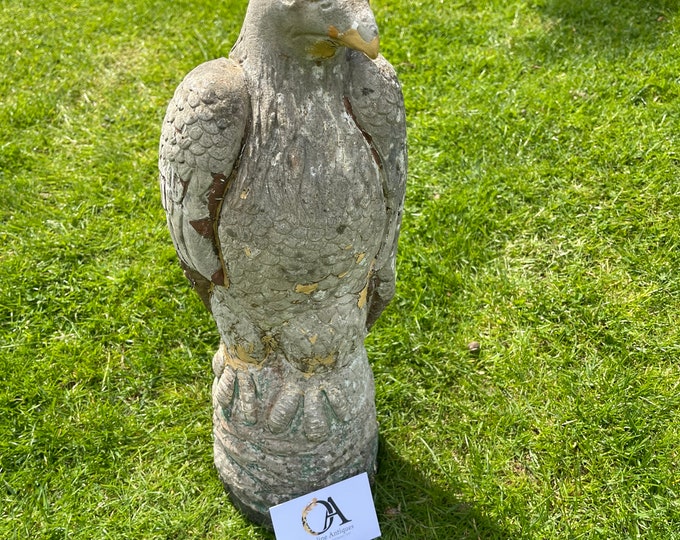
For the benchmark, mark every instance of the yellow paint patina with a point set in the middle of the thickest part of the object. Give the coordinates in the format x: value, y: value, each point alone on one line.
x: 313, y: 339
x: 363, y: 297
x: 344, y: 274
x: 352, y: 39
x: 311, y: 365
x: 360, y: 257
x: 308, y: 288
x: 239, y: 357
x: 243, y: 354
x: 323, y: 49
x: 248, y: 252
x: 270, y: 345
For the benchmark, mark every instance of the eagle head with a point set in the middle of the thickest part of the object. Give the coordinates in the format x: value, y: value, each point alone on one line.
x: 314, y: 28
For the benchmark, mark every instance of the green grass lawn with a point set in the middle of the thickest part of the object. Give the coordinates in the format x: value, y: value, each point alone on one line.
x: 541, y: 220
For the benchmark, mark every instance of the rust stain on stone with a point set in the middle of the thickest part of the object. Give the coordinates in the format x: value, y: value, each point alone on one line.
x: 204, y: 227
x: 367, y: 137
x: 219, y: 278
x: 216, y: 194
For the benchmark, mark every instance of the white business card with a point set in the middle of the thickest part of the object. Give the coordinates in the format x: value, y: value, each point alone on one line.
x: 341, y: 511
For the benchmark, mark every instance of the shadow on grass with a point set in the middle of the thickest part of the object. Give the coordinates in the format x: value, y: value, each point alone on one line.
x: 411, y: 506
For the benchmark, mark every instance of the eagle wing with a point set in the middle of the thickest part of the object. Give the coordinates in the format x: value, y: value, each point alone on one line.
x: 201, y: 141
x: 377, y: 106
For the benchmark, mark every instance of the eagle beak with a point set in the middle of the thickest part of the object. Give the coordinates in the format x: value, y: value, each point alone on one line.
x: 359, y: 38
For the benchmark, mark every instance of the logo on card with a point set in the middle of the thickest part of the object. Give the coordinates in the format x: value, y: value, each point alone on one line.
x: 320, y: 514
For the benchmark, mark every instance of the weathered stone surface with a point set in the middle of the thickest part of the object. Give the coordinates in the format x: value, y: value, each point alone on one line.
x: 283, y: 173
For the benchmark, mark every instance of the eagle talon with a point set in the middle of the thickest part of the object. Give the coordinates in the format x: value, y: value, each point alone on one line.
x: 234, y: 391
x: 322, y: 402
x: 284, y: 408
x: 316, y: 417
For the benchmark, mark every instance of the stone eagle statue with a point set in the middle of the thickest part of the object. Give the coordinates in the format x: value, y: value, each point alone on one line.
x: 282, y: 172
